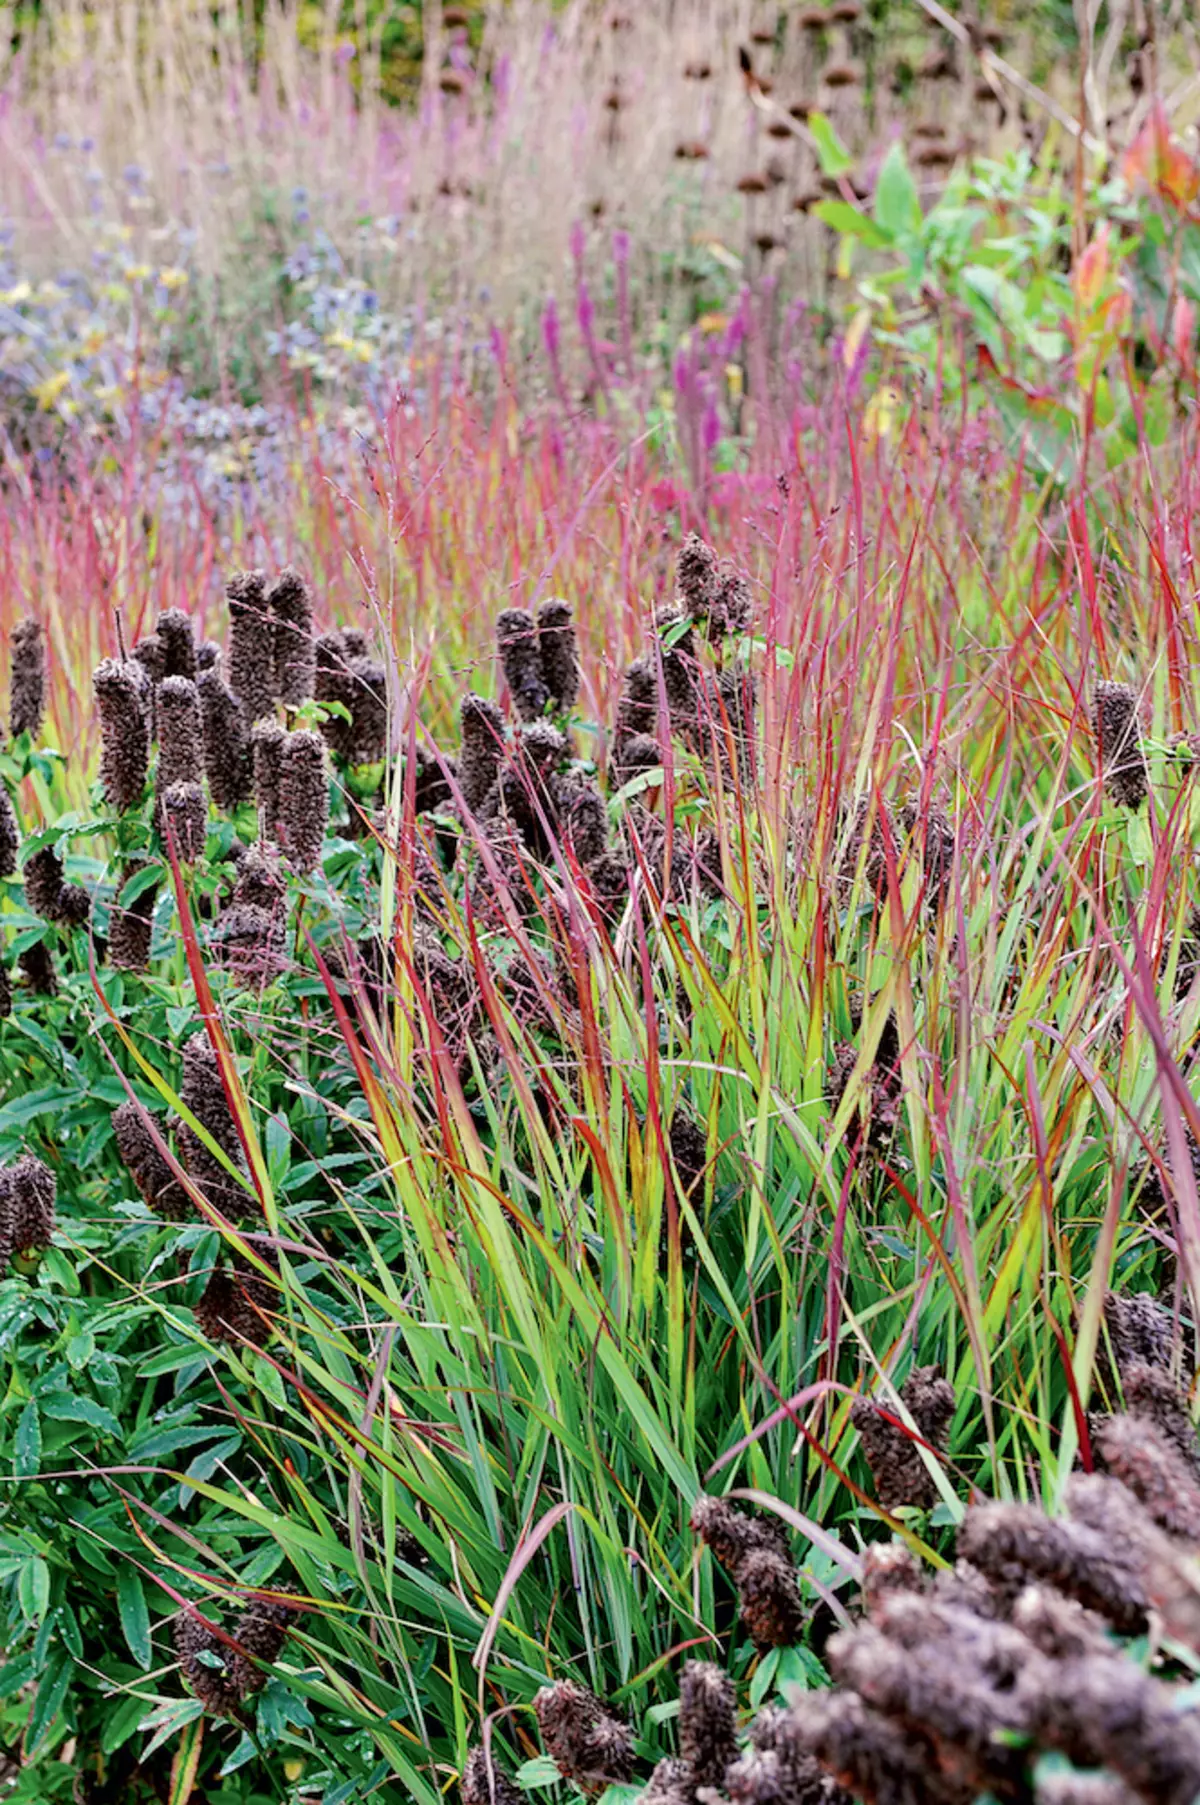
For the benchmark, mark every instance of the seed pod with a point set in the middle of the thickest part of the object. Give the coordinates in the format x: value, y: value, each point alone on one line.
x: 303, y: 798
x: 251, y: 645
x: 124, y: 732
x: 180, y: 735
x: 160, y: 1190
x: 130, y: 928
x: 174, y: 631
x: 266, y: 744
x: 203, y: 1093
x: 521, y: 661
x: 10, y: 834
x: 484, y: 1782
x: 482, y: 749
x: 290, y: 602
x: 28, y: 693
x: 185, y: 817
x: 1119, y: 741
x: 29, y: 1189
x: 228, y: 762
x: 212, y: 1686
x: 559, y: 653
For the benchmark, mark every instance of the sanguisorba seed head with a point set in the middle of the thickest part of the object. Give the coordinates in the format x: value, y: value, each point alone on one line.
x: 10, y: 834
x: 130, y: 926
x: 707, y: 1721
x: 251, y: 644
x: 30, y: 1189
x: 266, y: 746
x: 696, y: 575
x: 180, y: 734
x: 1119, y: 741
x: 369, y: 711
x: 289, y: 602
x: 482, y: 748
x: 303, y: 798
x: 211, y: 1685
x: 228, y: 763
x: 124, y: 732
x: 521, y: 661
x: 44, y: 883
x: 174, y: 630
x: 37, y: 968
x: 185, y: 815
x: 559, y: 653
x: 484, y: 1782
x: 260, y: 1633
x: 160, y: 1190
x: 27, y: 701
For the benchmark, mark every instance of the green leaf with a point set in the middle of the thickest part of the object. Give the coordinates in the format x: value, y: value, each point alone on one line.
x: 120, y: 1726
x: 852, y: 223
x: 33, y: 1589
x: 50, y: 1695
x: 897, y: 208
x: 542, y: 1770
x: 79, y: 1349
x: 27, y: 1443
x: 168, y: 1720
x: 135, y: 1616
x: 832, y: 154
x: 65, y: 1407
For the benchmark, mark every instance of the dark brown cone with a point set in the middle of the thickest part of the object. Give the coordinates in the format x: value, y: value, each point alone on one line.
x: 369, y: 707
x: 130, y: 929
x: 151, y: 654
x: 897, y: 1468
x: 689, y: 1150
x: 208, y: 657
x: 559, y: 654
x: 888, y: 1568
x: 707, y: 1722
x: 28, y: 694
x: 231, y: 1309
x: 482, y: 749
x: 260, y: 1633
x: 251, y: 645
x: 587, y: 1743
x: 1119, y: 742
x: 37, y: 969
x: 772, y: 1609
x: 29, y: 1201
x: 1135, y: 1451
x: 174, y: 632
x: 732, y: 1534
x: 185, y: 817
x: 354, y: 643
x: 266, y: 746
x: 203, y: 1093
x: 249, y: 943
x: 124, y: 733
x: 180, y: 735
x: 485, y: 1782
x: 67, y: 905
x: 288, y: 600
x: 10, y: 834
x: 637, y: 711
x: 1013, y: 1544
x: 211, y: 1685
x: 521, y: 661
x: 303, y: 798
x: 228, y: 761
x: 1105, y: 1712
x: 696, y: 575
x: 260, y: 882
x: 160, y: 1190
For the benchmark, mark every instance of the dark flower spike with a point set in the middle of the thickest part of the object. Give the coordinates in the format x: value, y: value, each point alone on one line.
x: 266, y: 744
x: 696, y: 576
x: 1137, y: 1452
x: 586, y: 1742
x: 1012, y: 1544
x: 559, y: 653
x: 174, y: 632
x: 29, y: 1194
x: 10, y: 834
x: 203, y: 1093
x: 1119, y: 741
x: 290, y: 603
x: 48, y: 895
x: 232, y: 1309
x: 771, y: 1606
x: 28, y: 694
x: 130, y: 929
x: 37, y: 969
x: 900, y: 1474
x: 160, y: 1190
x: 707, y: 1722
x: 521, y: 661
x: 228, y: 761
x: 185, y: 816
x: 485, y: 1782
x: 482, y: 749
x: 211, y: 1684
x: 251, y: 645
x: 180, y: 734
x: 124, y: 732
x: 303, y: 798
x: 260, y: 1633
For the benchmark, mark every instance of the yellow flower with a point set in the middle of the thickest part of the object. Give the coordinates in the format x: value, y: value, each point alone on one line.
x: 47, y: 393
x: 173, y: 277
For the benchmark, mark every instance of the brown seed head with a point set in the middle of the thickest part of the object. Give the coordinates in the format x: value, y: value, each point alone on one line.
x: 251, y: 644
x: 160, y: 1190
x: 124, y: 732
x: 228, y: 761
x: 27, y: 700
x: 289, y: 602
x: 559, y: 653
x: 174, y: 632
x: 303, y: 798
x: 1119, y: 742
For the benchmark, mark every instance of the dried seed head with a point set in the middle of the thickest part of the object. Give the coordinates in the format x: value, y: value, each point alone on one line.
x: 151, y: 654
x: 37, y: 969
x: 249, y: 942
x: 185, y: 817
x: 228, y: 762
x: 432, y: 778
x: 232, y: 1307
x: 203, y: 1093
x: 160, y: 1190
x: 1119, y: 741
x: 641, y: 752
x: 1140, y: 1329
x: 1135, y: 1451
x: 124, y: 732
x: 637, y: 711
x: 212, y: 1686
x: 369, y: 709
x: 174, y: 632
x: 587, y: 1743
x: 670, y: 1784
x: 733, y: 1534
x: 689, y: 1150
x: 44, y: 883
x: 559, y: 653
x: 5, y: 993
x: 251, y: 645
x: 888, y: 1568
x: 260, y: 882
x: 288, y: 600
x: 1103, y: 1711
x: 482, y: 749
x: 260, y: 1633
x: 696, y: 575
x: 901, y: 1476
x: 484, y: 1782
x: 677, y: 650
x: 587, y: 824
x: 521, y: 661
x: 130, y: 928
x: 333, y: 683
x: 208, y: 656
x: 354, y: 642
x: 1059, y: 1627
x: 28, y: 694
x: 1013, y: 1544
x: 29, y: 1193
x: 10, y: 834
x: 266, y: 747
x: 1152, y: 1394
x: 180, y: 734
x: 875, y: 1759
x: 303, y: 798
x: 707, y: 1721
x: 772, y: 1609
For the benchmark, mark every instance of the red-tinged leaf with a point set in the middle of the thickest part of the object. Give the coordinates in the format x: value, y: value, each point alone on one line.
x: 1155, y: 160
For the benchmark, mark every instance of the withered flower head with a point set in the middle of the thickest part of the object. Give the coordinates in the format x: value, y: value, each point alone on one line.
x: 630, y: 757
x: 521, y: 661
x: 484, y: 1782
x: 249, y: 941
x: 251, y: 644
x: 228, y: 762
x: 900, y: 1475
x: 289, y: 602
x: 174, y: 632
x: 260, y: 1633
x: 151, y: 654
x: 1135, y: 1451
x: 696, y: 575
x: 677, y: 650
x: 772, y: 1609
x: 707, y: 1721
x: 212, y: 1686
x: 28, y: 1203
x: 234, y: 1308
x: 1119, y: 742
x: 1140, y: 1329
x: 482, y: 749
x: 730, y: 607
x: 266, y: 746
x: 160, y: 1190
x: 44, y: 883
x: 1013, y: 1544
x: 670, y: 1784
x: 637, y: 711
x: 587, y: 824
x: 369, y: 712
x: 180, y: 734
x: 28, y: 693
x: 587, y: 1743
x: 1103, y: 1711
x: 1059, y: 1627
x: 203, y: 1093
x: 185, y: 817
x: 689, y: 1150
x: 208, y: 656
x: 876, y: 1760
x: 124, y: 733
x: 333, y: 683
x: 130, y: 927
x: 37, y: 969
x: 888, y: 1568
x: 733, y: 1534
x: 559, y: 653
x: 303, y: 798
x: 260, y: 881
x: 10, y: 834
x: 1151, y: 1393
